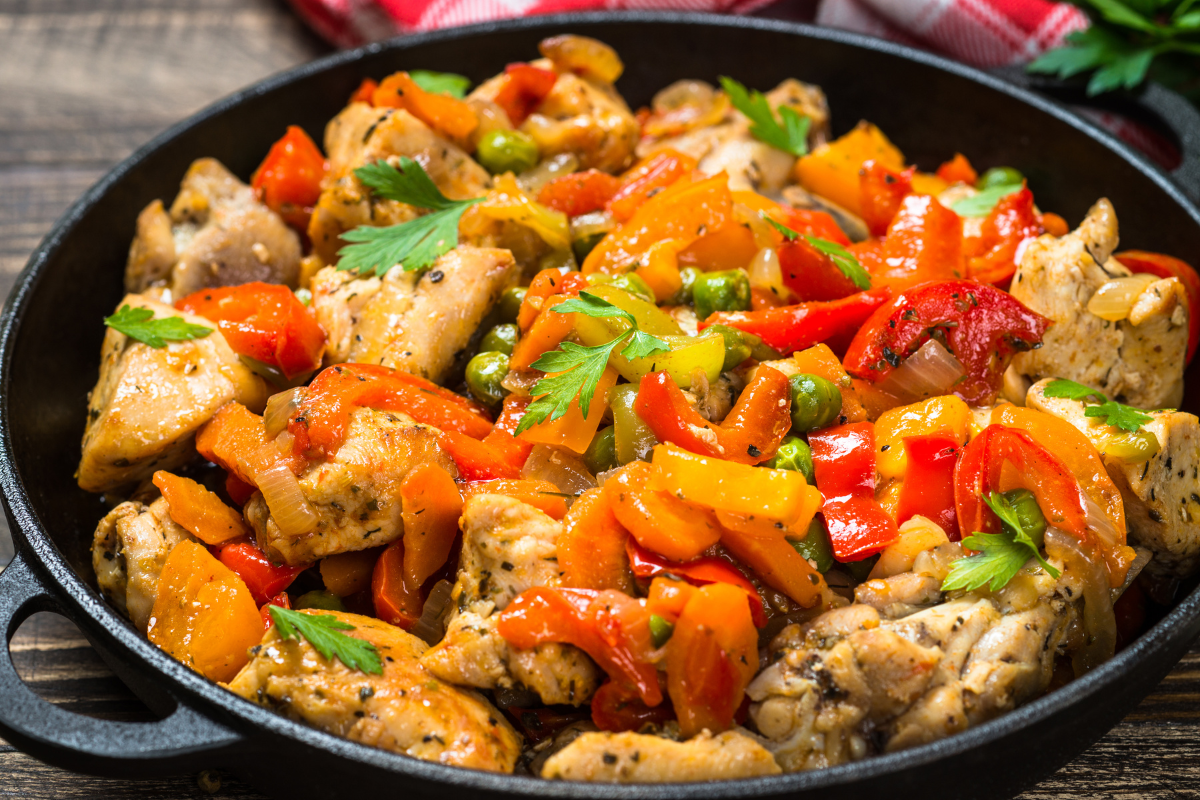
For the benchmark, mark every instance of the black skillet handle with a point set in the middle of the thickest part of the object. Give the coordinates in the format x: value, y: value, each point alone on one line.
x: 184, y: 741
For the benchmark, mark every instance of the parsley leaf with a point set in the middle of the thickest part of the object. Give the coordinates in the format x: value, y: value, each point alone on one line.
x: 1118, y: 415
x: 139, y: 323
x: 323, y: 632
x: 441, y: 82
x: 842, y: 258
x: 415, y: 244
x: 1000, y: 556
x: 982, y: 203
x: 790, y: 137
x: 578, y: 368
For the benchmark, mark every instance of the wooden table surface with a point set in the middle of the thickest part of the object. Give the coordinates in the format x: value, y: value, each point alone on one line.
x: 84, y: 82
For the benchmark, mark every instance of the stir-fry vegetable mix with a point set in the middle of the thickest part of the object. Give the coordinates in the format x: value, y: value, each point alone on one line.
x: 708, y: 398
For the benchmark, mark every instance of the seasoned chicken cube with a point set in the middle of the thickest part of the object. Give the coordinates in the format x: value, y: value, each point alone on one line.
x: 361, y: 135
x: 145, y: 408
x: 217, y: 234
x: 405, y: 710
x: 418, y: 323
x: 1162, y: 494
x: 1138, y: 360
x: 356, y: 492
x: 640, y: 758
x: 508, y: 547
x: 129, y: 549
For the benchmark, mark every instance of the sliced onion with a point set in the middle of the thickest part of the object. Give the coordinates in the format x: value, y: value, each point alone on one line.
x: 1114, y: 300
x: 280, y: 408
x: 604, y: 476
x: 764, y: 234
x: 532, y: 180
x: 765, y: 271
x: 1099, y: 624
x: 1099, y: 523
x: 683, y: 93
x: 586, y: 225
x: 431, y: 626
x: 558, y: 466
x: 289, y: 507
x: 929, y: 372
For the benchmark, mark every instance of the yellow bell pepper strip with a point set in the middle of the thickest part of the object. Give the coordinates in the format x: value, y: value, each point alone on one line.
x: 650, y: 318
x: 831, y: 170
x: 844, y: 462
x: 684, y: 211
x: 945, y: 414
x: 659, y: 268
x: 721, y: 485
x: 573, y: 430
x: 687, y: 354
x: 660, y: 522
x: 508, y: 202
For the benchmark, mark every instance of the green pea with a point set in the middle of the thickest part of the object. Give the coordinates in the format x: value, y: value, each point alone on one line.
x: 319, y: 598
x: 816, y: 402
x: 998, y: 176
x: 304, y: 296
x: 510, y: 303
x: 1134, y: 447
x: 500, y: 339
x: 506, y: 151
x: 1028, y: 514
x: 794, y: 454
x: 634, y: 285
x: 737, y: 349
x: 815, y: 546
x: 484, y: 373
x: 721, y: 291
x: 660, y: 630
x: 688, y: 275
x: 601, y: 454
x: 861, y: 570
x: 586, y: 243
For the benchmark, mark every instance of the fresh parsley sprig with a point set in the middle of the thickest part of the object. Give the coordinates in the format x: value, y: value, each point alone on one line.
x: 577, y: 368
x: 1118, y: 415
x: 791, y: 136
x: 981, y: 203
x: 140, y: 324
x: 1000, y: 556
x: 324, y: 633
x: 441, y: 82
x: 842, y: 258
x: 413, y: 245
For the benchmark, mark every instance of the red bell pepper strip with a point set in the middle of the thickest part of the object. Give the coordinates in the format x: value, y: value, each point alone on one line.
x: 992, y: 256
x: 978, y: 475
x: 396, y: 603
x: 700, y: 572
x: 289, y: 179
x: 1165, y: 266
x: 263, y: 321
x: 579, y: 192
x: 523, y: 89
x: 263, y: 578
x: 238, y: 490
x: 844, y: 463
x: 616, y: 708
x: 815, y: 223
x: 798, y: 327
x: 751, y: 432
x: 610, y: 626
x: 958, y: 170
x: 983, y: 327
x: 282, y: 600
x: 320, y: 419
x: 928, y: 487
x: 812, y: 275
x: 881, y: 191
x: 923, y: 243
x: 648, y: 178
x: 544, y: 285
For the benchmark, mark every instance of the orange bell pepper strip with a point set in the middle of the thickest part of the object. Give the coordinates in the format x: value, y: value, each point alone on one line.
x: 445, y: 114
x: 1164, y: 266
x: 431, y: 505
x: 928, y: 487
x: 365, y: 93
x: 610, y: 626
x: 684, y: 211
x: 958, y: 170
x: 261, y: 576
x: 236, y: 440
x: 750, y: 434
x: 615, y: 707
x: 546, y: 284
x: 289, y: 179
x: 800, y: 326
x: 349, y: 573
x: 523, y: 89
x: 574, y: 430
x: 320, y: 420
x: 1054, y: 224
x: 660, y: 522
x: 762, y: 546
x: 844, y: 463
x: 579, y: 192
x: 647, y: 178
x: 992, y: 256
x: 730, y: 246
x: 711, y: 658
x: 546, y: 333
x: 203, y: 615
x: 199, y: 511
x: 542, y: 495
x: 881, y: 191
x: 263, y: 321
x: 923, y: 243
x: 478, y: 460
x: 591, y: 548
x: 396, y: 603
x: 698, y: 572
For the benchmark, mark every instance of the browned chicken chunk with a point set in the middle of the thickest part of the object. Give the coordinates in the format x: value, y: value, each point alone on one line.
x: 639, y: 758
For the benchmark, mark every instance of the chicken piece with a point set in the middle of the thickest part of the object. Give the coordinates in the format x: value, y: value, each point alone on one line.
x: 145, y: 408
x: 356, y: 492
x: 361, y: 135
x: 1139, y: 360
x: 508, y: 547
x: 129, y: 549
x: 1161, y: 495
x: 420, y: 323
x: 217, y: 234
x: 640, y: 758
x: 729, y: 145
x: 405, y: 710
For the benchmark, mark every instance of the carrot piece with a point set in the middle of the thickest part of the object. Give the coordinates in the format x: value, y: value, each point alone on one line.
x: 431, y: 507
x: 668, y: 597
x: 591, y: 549
x: 542, y: 495
x: 958, y: 170
x: 198, y: 510
x: 477, y: 460
x: 658, y: 521
x: 234, y: 439
x: 365, y: 93
x: 345, y: 574
x: 764, y: 549
x: 441, y: 112
x: 394, y: 602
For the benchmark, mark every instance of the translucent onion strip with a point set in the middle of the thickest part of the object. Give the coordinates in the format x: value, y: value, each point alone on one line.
x: 289, y: 508
x: 764, y: 234
x: 929, y: 372
x: 280, y: 408
x: 1099, y: 523
x: 1099, y: 624
x: 1114, y: 300
x: 558, y: 466
x: 765, y: 271
x: 533, y: 180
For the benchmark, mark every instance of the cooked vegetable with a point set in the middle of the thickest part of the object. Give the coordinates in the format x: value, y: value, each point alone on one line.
x: 140, y: 324
x: 726, y: 486
x: 200, y: 511
x: 523, y: 89
x: 430, y: 507
x: 601, y: 454
x: 443, y: 113
x: 1001, y: 555
x: 928, y: 489
x: 320, y: 600
x: 844, y: 460
x: 263, y: 578
x: 999, y: 176
x: 289, y: 179
x: 500, y: 339
x: 816, y: 403
x: 698, y: 572
x: 510, y: 303
x: 815, y: 546
x: 506, y: 151
x: 633, y: 438
x: 791, y: 136
x: 485, y: 373
x: 441, y: 82
x: 659, y: 521
x: 794, y: 454
x: 796, y: 327
x: 591, y: 548
x: 1164, y: 266
x: 721, y: 291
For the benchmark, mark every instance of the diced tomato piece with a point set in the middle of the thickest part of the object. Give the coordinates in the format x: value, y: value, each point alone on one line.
x: 523, y: 90
x: 579, y: 192
x: 289, y: 179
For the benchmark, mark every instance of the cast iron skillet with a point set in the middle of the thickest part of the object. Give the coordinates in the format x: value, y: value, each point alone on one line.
x: 51, y: 331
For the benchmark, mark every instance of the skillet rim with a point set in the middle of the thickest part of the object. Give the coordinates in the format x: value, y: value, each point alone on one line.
x: 97, y: 619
